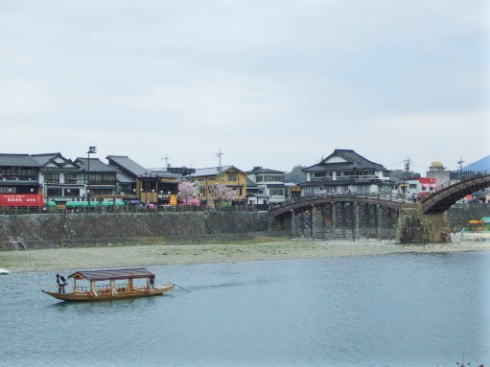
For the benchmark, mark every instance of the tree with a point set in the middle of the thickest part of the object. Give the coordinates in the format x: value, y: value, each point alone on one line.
x: 296, y: 175
x: 401, y: 175
x: 221, y: 192
x: 186, y: 190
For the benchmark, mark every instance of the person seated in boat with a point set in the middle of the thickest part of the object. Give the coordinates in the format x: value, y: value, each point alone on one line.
x: 152, y: 281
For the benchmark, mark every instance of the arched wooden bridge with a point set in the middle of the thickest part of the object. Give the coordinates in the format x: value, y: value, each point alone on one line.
x: 446, y: 195
x: 338, y: 216
x: 314, y: 201
x: 333, y: 215
x: 439, y: 201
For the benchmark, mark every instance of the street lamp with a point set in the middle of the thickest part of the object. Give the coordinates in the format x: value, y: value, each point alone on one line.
x: 91, y: 150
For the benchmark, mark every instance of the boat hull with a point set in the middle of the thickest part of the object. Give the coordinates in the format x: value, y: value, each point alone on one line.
x: 84, y: 296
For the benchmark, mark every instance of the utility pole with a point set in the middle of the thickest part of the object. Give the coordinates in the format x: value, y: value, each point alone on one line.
x: 460, y: 162
x: 407, y: 162
x: 219, y: 155
x: 166, y: 159
x: 91, y: 150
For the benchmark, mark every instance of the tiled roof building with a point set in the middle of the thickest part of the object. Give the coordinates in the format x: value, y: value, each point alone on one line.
x: 345, y: 171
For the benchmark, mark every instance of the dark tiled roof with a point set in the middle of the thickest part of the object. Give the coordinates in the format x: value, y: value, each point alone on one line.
x: 212, y: 171
x: 354, y: 160
x: 96, y: 165
x: 163, y: 174
x: 112, y: 274
x: 358, y: 159
x: 19, y: 160
x: 251, y: 184
x: 44, y: 158
x: 258, y: 169
x: 357, y: 181
x: 19, y: 183
x: 126, y: 163
x: 122, y: 178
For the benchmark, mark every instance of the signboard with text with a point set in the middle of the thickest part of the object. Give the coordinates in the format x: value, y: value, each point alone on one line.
x: 427, y: 180
x: 21, y: 200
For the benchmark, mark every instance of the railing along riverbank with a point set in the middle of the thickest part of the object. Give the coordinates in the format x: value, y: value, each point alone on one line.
x: 121, y: 209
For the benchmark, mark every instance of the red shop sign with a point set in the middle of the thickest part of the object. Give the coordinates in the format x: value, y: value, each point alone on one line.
x: 21, y: 200
x: 427, y: 180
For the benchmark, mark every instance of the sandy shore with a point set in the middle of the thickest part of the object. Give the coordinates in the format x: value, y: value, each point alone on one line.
x: 267, y: 249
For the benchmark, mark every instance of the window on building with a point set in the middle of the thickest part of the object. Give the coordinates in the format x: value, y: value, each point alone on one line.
x: 72, y: 192
x: 54, y: 191
x: 232, y: 178
x: 71, y: 178
x: 18, y: 173
x: 279, y: 178
x: 260, y: 178
x: 101, y: 192
x: 386, y: 189
x: 51, y: 177
x: 126, y: 189
x: 7, y: 190
x: 363, y: 189
x: 279, y: 192
x: 102, y: 178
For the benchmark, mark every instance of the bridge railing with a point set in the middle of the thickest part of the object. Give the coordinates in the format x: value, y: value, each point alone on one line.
x: 307, y: 198
x: 444, y: 185
x: 457, y: 181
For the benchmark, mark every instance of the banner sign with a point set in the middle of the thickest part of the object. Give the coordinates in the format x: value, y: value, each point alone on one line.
x: 427, y: 180
x: 21, y: 200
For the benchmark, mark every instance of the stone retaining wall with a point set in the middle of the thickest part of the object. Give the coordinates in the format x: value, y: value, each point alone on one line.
x: 55, y: 230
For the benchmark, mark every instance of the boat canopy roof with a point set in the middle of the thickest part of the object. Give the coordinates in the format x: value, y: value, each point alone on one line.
x: 112, y: 274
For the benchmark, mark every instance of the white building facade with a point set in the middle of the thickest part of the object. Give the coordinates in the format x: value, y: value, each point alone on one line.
x: 346, y: 172
x: 270, y: 186
x: 60, y: 178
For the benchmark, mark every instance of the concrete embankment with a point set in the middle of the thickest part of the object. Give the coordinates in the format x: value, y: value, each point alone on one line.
x: 21, y: 232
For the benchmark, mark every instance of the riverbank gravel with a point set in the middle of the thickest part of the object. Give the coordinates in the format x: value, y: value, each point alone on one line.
x: 142, y: 255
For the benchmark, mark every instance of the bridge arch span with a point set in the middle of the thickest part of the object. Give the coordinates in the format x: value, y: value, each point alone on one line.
x: 446, y: 195
x: 308, y: 202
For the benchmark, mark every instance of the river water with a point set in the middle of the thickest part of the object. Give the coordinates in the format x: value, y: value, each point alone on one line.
x: 394, y: 310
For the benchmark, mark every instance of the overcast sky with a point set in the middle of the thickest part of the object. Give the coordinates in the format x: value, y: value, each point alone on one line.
x: 271, y: 82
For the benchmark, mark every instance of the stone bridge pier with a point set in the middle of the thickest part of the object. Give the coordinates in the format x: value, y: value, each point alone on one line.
x: 337, y: 220
x: 416, y: 227
x: 408, y: 224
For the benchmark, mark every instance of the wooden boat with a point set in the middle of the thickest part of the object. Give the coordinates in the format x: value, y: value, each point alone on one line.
x: 114, y: 290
